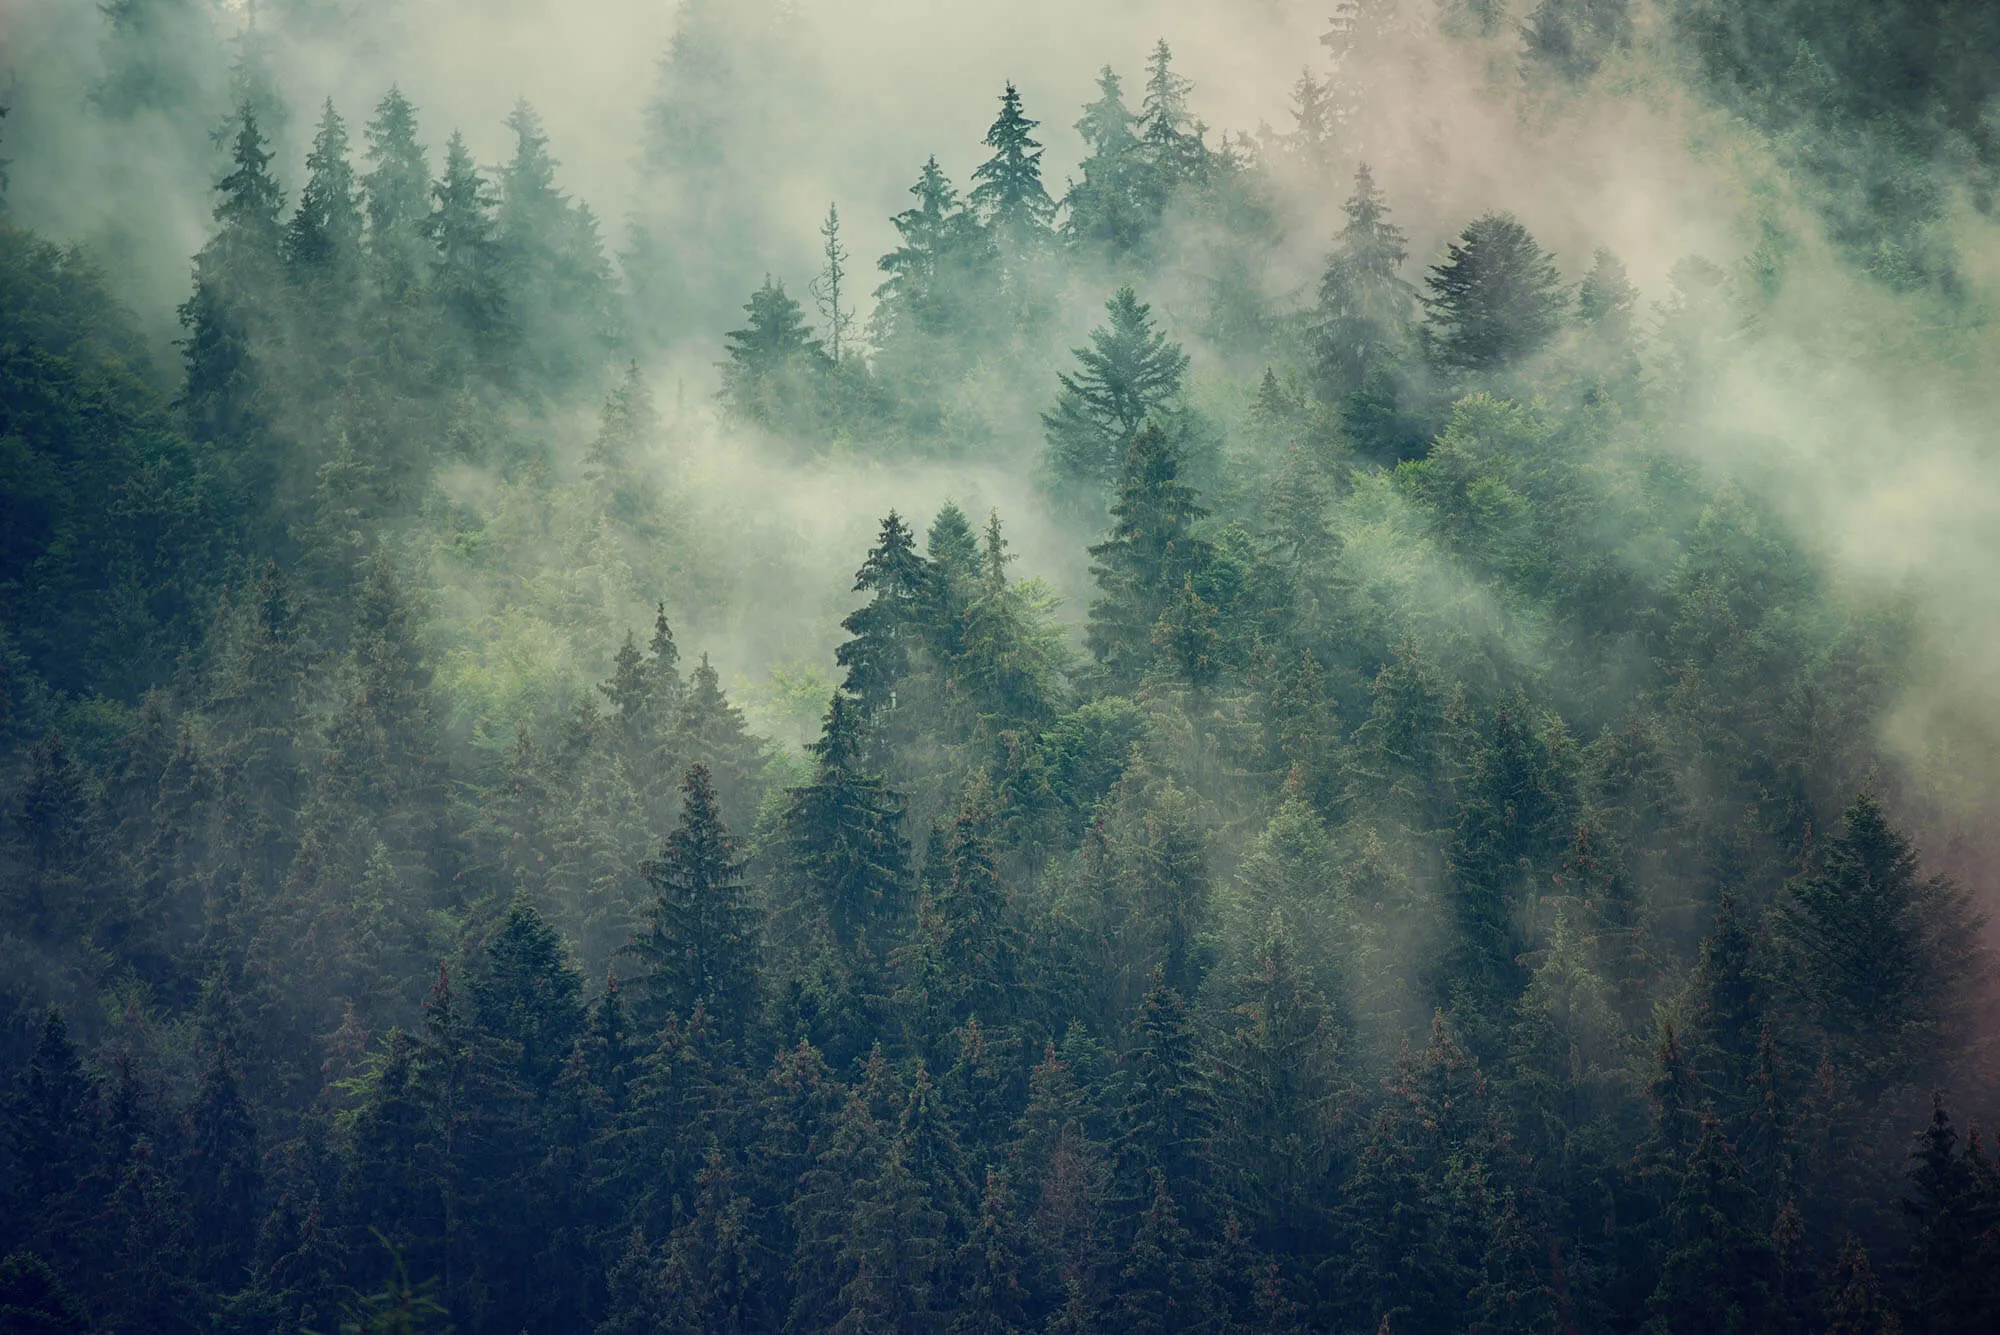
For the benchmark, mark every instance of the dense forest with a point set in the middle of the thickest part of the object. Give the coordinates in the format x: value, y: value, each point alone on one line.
x: 1244, y: 732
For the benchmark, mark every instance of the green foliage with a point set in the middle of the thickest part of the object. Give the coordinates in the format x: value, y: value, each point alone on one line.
x: 1127, y: 374
x: 1495, y: 301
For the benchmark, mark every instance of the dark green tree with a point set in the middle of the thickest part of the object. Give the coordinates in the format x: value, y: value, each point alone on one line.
x: 1721, y: 1268
x: 464, y: 270
x: 1880, y: 955
x: 1366, y: 311
x: 1008, y: 192
x: 1953, y: 1206
x: 1495, y: 301
x: 773, y: 362
x: 397, y: 193
x: 887, y: 635
x: 700, y: 943
x: 1127, y: 374
x: 844, y: 850
x: 1148, y: 558
x: 1102, y: 209
x: 231, y: 325
x: 324, y: 237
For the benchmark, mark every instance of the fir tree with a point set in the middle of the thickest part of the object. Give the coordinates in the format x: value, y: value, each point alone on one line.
x: 1495, y: 301
x: 886, y: 635
x: 1953, y: 1206
x: 1366, y: 310
x: 844, y: 849
x: 1148, y: 557
x: 1008, y: 193
x: 771, y: 360
x: 701, y: 941
x: 1129, y: 372
x: 1278, y: 1096
x: 710, y: 731
x: 323, y: 238
x: 1102, y: 209
x: 397, y: 192
x: 465, y: 281
x: 1880, y: 956
x: 228, y: 318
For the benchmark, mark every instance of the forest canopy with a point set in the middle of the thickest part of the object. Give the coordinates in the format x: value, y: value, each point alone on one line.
x: 1202, y: 669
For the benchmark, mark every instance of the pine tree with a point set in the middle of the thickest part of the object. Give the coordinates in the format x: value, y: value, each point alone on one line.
x: 1168, y: 1105
x: 1170, y: 140
x: 1127, y: 374
x: 1721, y: 1268
x: 397, y: 191
x: 229, y: 317
x: 1855, y: 1303
x: 34, y: 1300
x: 979, y: 949
x: 222, y: 1177
x: 49, y: 1132
x: 527, y: 993
x: 1606, y: 303
x: 1315, y: 125
x: 714, y: 1266
x: 1419, y: 1208
x: 550, y: 264
x: 771, y: 361
x: 886, y: 636
x: 1161, y: 1289
x: 1953, y: 1206
x: 933, y: 306
x: 465, y: 280
x: 628, y: 425
x: 829, y: 289
x: 1495, y: 301
x: 1511, y: 832
x: 1102, y: 209
x: 1568, y: 40
x: 701, y: 941
x: 323, y: 238
x: 1009, y: 195
x: 1880, y: 956
x: 845, y: 854
x: 1278, y: 1095
x: 709, y: 731
x: 1148, y: 557
x: 992, y: 1268
x: 1366, y: 310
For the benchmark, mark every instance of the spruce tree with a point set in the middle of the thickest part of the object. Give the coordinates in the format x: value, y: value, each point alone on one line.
x: 1278, y: 1097
x: 1148, y: 557
x: 1721, y: 1269
x: 1129, y: 372
x: 772, y: 360
x: 710, y: 731
x: 1953, y: 1206
x: 1102, y: 209
x: 528, y: 993
x: 465, y: 281
x: 844, y: 850
x: 1366, y: 310
x: 1880, y: 955
x: 1008, y: 193
x: 550, y: 264
x: 229, y: 318
x: 886, y: 636
x: 1170, y: 140
x: 932, y: 309
x: 323, y: 239
x: 1495, y: 301
x: 397, y: 192
x: 700, y: 943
